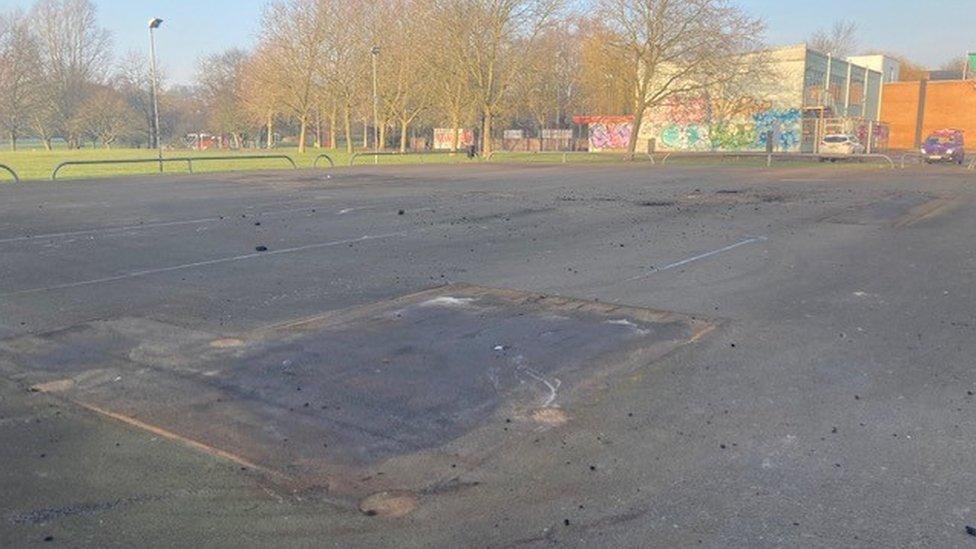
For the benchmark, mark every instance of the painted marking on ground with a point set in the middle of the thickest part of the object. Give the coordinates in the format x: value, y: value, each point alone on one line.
x: 218, y: 261
x: 152, y: 225
x: 698, y: 257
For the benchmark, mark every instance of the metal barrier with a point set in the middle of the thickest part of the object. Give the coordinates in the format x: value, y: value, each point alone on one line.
x: 11, y: 171
x: 315, y: 163
x: 421, y: 154
x: 565, y: 154
x: 188, y: 159
x: 768, y: 157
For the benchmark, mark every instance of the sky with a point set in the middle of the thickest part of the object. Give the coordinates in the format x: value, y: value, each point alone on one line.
x: 927, y: 31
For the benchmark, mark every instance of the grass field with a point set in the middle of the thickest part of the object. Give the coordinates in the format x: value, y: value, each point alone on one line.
x: 37, y: 164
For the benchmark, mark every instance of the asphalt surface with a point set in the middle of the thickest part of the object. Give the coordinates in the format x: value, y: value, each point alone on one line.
x: 830, y: 403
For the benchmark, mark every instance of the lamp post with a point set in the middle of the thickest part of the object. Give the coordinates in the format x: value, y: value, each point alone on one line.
x: 154, y: 24
x: 375, y: 51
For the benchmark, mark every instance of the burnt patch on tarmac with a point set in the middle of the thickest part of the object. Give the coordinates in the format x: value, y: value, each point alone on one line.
x: 373, y: 398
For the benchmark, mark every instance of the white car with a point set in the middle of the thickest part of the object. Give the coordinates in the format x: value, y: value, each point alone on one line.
x: 839, y: 145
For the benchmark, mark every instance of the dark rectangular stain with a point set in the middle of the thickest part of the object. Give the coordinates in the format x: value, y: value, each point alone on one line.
x: 328, y: 396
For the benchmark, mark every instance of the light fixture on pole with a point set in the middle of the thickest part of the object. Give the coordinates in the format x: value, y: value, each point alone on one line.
x: 375, y: 51
x: 154, y: 24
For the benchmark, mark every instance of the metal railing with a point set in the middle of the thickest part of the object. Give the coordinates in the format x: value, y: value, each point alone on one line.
x: 768, y: 157
x: 188, y: 159
x: 376, y: 154
x: 315, y: 163
x: 566, y: 154
x: 11, y: 171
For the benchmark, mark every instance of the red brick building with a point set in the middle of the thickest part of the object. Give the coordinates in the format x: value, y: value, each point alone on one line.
x: 915, y: 109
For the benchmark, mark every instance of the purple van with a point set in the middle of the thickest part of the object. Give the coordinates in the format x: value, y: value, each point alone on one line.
x: 944, y: 146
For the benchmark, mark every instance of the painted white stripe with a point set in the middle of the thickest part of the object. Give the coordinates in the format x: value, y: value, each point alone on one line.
x: 126, y: 228
x: 698, y: 257
x: 122, y: 228
x: 218, y: 261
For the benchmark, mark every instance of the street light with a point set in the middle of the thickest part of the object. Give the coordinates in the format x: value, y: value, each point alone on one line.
x: 154, y: 24
x: 375, y: 51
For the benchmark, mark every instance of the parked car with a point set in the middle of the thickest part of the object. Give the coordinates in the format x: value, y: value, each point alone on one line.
x: 839, y: 145
x: 944, y: 146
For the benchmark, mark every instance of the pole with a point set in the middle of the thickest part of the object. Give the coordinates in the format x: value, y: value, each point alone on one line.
x: 376, y: 116
x: 152, y: 64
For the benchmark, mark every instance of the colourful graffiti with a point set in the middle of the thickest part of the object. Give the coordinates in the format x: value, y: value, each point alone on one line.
x: 607, y: 133
x: 785, y: 126
x: 444, y: 138
x: 696, y: 124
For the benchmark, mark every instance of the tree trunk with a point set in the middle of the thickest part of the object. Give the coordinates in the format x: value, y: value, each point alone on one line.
x: 365, y: 133
x: 13, y: 141
x: 635, y: 129
x: 455, y: 132
x: 270, y: 130
x: 348, y: 129
x: 318, y: 129
x: 333, y: 117
x: 47, y: 144
x: 403, y: 136
x: 486, y: 134
x: 382, y: 140
x: 303, y: 127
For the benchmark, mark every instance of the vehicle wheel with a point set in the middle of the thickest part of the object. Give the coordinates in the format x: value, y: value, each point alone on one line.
x: 832, y: 160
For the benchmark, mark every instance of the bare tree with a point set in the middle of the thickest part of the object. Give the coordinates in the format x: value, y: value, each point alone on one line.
x: 606, y: 79
x: 259, y: 100
x: 292, y: 41
x: 74, y: 53
x: 960, y: 64
x: 19, y: 75
x: 344, y: 84
x: 487, y: 39
x: 219, y: 79
x: 840, y: 40
x: 546, y: 86
x: 132, y: 79
x: 406, y: 70
x: 104, y: 117
x: 678, y: 47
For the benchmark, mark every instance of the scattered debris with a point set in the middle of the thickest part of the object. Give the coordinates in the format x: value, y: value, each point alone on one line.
x: 260, y: 248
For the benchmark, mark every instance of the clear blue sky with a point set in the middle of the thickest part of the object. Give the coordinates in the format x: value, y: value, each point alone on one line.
x: 928, y: 31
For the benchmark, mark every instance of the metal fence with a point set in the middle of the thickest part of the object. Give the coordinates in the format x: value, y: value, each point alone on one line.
x: 188, y: 159
x: 11, y: 171
x: 376, y: 154
x: 769, y: 158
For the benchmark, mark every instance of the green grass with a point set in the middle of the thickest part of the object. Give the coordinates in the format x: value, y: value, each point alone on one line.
x: 37, y: 164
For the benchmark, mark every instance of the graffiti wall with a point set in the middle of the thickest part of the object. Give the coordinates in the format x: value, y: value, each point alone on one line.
x: 444, y: 138
x: 700, y: 124
x: 607, y: 133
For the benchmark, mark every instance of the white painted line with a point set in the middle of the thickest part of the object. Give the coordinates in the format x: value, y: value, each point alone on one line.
x: 360, y: 208
x: 147, y: 272
x: 126, y: 228
x: 698, y: 257
x: 122, y: 228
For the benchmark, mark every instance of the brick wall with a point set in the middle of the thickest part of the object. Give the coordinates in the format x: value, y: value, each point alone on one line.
x: 947, y: 104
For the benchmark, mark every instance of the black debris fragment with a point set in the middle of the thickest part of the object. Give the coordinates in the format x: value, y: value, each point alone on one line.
x: 260, y: 248
x: 971, y: 530
x: 400, y: 212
